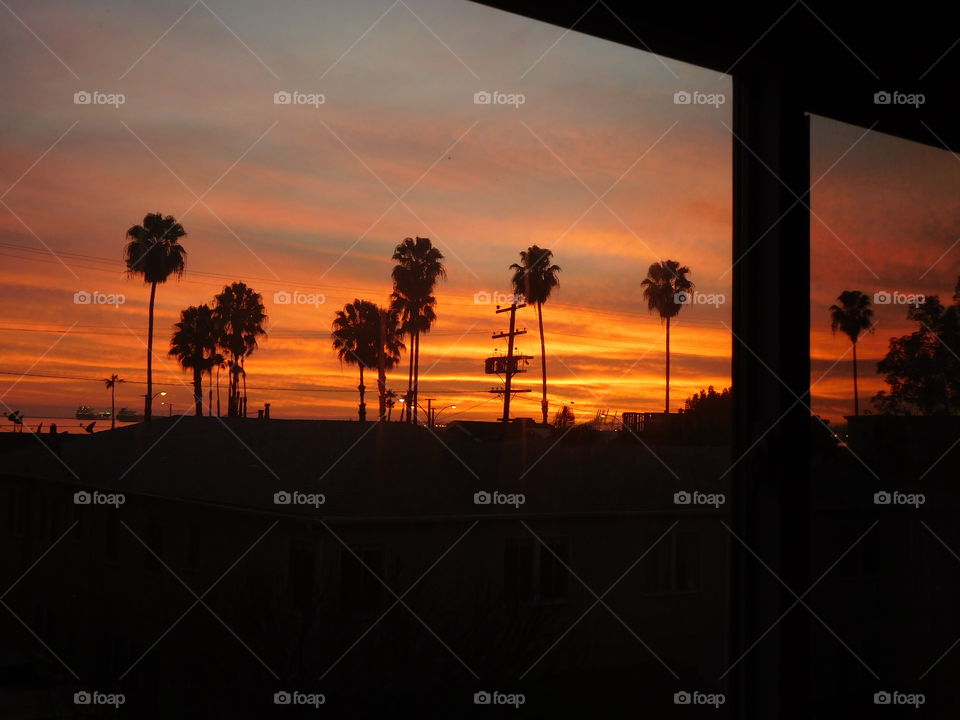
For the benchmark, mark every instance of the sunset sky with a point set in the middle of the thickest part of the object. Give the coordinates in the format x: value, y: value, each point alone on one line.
x: 312, y: 199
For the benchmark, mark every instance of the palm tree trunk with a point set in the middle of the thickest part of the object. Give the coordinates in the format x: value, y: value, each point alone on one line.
x: 416, y: 380
x: 666, y: 407
x: 382, y: 369
x: 856, y: 394
x: 209, y: 392
x: 198, y: 390
x: 232, y: 391
x: 544, y: 406
x: 362, y: 409
x: 113, y: 406
x: 148, y: 404
x: 233, y: 409
x: 405, y: 415
x: 218, y: 391
x: 243, y: 374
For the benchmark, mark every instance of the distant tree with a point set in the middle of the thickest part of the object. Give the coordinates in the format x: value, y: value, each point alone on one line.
x: 111, y: 385
x: 852, y: 316
x: 923, y: 368
x: 419, y: 267
x: 194, y: 344
x: 707, y: 417
x: 367, y: 336
x: 664, y: 289
x: 564, y: 417
x: 391, y: 401
x: 239, y: 316
x: 153, y: 251
x: 710, y: 404
x: 535, y: 277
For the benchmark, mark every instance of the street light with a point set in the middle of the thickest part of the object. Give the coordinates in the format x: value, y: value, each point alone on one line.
x: 433, y: 412
x: 436, y: 412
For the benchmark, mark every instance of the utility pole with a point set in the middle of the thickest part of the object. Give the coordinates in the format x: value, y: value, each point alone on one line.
x: 511, y: 367
x: 430, y: 412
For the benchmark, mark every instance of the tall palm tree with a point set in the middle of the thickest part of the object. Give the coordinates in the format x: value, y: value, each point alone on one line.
x: 369, y: 337
x: 194, y: 344
x: 666, y: 281
x: 111, y: 385
x: 535, y: 278
x: 154, y: 252
x: 852, y: 316
x: 416, y: 313
x: 415, y: 275
x: 239, y: 316
x: 216, y: 361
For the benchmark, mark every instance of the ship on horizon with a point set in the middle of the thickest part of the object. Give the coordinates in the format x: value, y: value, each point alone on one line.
x: 88, y: 413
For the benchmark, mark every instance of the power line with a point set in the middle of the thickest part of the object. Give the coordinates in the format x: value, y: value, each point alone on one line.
x: 181, y: 384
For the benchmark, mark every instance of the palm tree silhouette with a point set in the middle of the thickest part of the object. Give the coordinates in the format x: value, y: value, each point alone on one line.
x: 415, y: 275
x: 239, y: 316
x: 665, y: 289
x: 216, y: 361
x: 194, y: 343
x: 111, y: 385
x: 535, y: 278
x: 369, y: 337
x: 155, y: 253
x: 852, y: 316
x: 391, y: 401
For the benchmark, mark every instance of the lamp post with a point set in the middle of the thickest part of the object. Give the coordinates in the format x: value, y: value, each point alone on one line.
x: 433, y: 412
x: 162, y: 393
x: 436, y: 413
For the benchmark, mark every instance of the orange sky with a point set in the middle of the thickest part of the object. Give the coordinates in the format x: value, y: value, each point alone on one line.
x: 301, y: 198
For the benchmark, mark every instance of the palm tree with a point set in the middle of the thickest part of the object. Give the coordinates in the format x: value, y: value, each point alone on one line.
x: 535, y: 278
x: 852, y: 316
x: 391, y: 403
x: 415, y: 275
x: 664, y: 289
x: 416, y: 314
x: 369, y: 337
x: 216, y: 361
x: 239, y: 316
x: 111, y: 385
x: 194, y: 344
x: 153, y: 251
